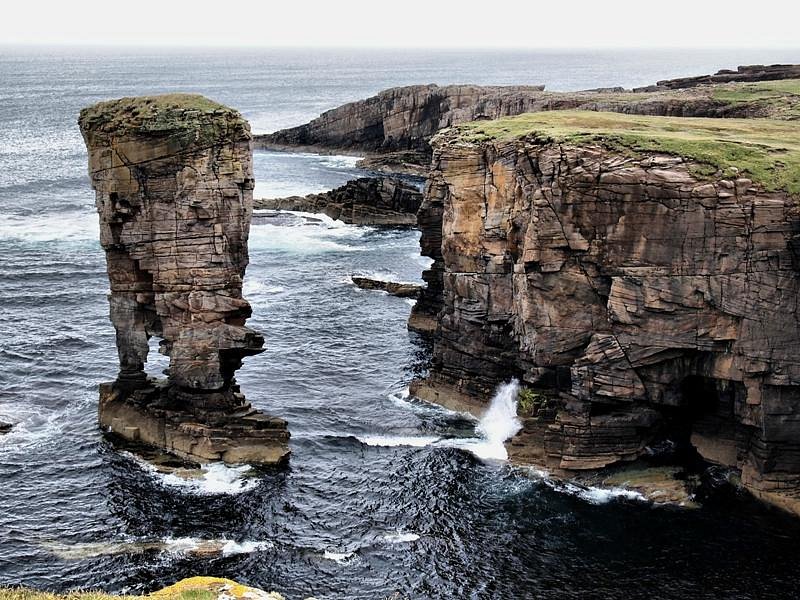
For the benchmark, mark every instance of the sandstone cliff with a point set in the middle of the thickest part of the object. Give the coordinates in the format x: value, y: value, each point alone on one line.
x: 405, y: 118
x: 640, y: 276
x: 385, y: 201
x: 173, y: 180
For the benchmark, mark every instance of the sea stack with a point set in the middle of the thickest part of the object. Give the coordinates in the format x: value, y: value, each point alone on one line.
x: 174, y: 183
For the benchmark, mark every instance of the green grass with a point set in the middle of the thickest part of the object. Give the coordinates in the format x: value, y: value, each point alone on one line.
x: 193, y: 588
x: 748, y: 92
x: 528, y: 401
x: 766, y: 150
x: 167, y: 113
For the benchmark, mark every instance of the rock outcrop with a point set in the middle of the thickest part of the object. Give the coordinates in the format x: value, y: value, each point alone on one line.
x: 383, y: 201
x: 401, y: 121
x: 748, y: 73
x: 403, y: 118
x: 174, y: 182
x: 5, y: 427
x: 393, y: 288
x: 641, y: 277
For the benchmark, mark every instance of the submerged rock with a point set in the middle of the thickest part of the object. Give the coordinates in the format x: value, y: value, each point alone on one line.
x: 401, y: 290
x: 5, y: 427
x: 382, y: 201
x: 174, y: 183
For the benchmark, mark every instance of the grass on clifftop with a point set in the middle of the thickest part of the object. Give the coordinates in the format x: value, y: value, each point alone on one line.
x: 193, y: 588
x: 767, y: 151
x: 782, y: 95
x: 159, y: 113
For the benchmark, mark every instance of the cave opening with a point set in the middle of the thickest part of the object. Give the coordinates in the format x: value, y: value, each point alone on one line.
x: 704, y: 426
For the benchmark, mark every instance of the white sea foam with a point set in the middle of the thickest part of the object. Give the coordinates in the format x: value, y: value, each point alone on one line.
x: 209, y: 479
x: 338, y: 557
x: 247, y: 547
x: 498, y: 424
x: 401, y: 537
x: 217, y: 478
x: 390, y: 441
x: 177, y: 546
x: 253, y: 287
x: 76, y: 226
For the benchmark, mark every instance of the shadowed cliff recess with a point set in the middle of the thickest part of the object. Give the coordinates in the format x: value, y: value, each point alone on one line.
x: 174, y: 190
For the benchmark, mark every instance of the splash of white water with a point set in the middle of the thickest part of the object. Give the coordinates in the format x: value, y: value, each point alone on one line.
x: 498, y: 424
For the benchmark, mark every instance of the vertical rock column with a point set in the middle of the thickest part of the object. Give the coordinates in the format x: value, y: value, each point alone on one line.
x: 174, y: 190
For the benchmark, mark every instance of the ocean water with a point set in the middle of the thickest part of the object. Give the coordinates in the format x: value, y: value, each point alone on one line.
x: 384, y: 495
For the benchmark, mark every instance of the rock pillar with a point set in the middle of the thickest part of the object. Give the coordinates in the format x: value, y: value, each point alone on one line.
x: 174, y: 190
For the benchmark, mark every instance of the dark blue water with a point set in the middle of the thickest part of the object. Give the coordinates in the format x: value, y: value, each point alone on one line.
x: 373, y: 502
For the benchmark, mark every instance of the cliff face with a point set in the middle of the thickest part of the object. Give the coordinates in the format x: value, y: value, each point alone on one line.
x: 405, y: 118
x: 362, y: 201
x: 642, y: 294
x: 173, y: 179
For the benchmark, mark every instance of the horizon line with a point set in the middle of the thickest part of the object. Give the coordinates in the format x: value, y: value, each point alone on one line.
x: 256, y: 46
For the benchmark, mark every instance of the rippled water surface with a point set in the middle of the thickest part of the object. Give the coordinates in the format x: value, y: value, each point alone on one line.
x: 382, y: 494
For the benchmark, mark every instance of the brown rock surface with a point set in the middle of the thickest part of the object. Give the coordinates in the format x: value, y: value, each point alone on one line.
x: 400, y: 121
x: 393, y: 288
x: 646, y: 300
x: 747, y: 73
x: 173, y: 181
x: 383, y: 201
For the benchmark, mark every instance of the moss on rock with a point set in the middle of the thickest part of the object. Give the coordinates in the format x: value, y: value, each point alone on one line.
x: 204, y: 120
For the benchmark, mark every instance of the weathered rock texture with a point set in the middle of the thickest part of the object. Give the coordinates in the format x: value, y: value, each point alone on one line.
x: 748, y: 73
x: 364, y: 201
x: 642, y: 300
x: 173, y: 180
x: 393, y: 288
x: 404, y: 119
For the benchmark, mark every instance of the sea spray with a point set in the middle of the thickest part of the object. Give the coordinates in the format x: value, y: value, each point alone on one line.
x: 498, y: 424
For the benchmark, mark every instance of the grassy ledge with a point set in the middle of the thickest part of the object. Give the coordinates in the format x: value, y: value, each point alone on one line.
x: 765, y: 150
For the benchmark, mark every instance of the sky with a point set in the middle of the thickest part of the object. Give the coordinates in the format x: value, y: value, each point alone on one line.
x: 405, y: 23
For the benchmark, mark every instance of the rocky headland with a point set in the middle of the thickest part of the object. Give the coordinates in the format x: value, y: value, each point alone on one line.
x: 639, y: 275
x: 174, y: 191
x: 397, y: 124
x: 382, y: 201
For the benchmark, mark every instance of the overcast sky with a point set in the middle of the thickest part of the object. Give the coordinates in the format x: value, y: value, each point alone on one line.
x: 405, y: 23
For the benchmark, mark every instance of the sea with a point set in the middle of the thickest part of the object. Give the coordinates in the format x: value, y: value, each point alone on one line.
x: 385, y: 496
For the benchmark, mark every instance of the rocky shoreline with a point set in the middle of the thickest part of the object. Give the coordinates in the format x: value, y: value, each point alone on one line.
x: 381, y: 201
x: 629, y: 270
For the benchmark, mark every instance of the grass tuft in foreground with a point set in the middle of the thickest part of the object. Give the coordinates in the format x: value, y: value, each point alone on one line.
x: 193, y: 588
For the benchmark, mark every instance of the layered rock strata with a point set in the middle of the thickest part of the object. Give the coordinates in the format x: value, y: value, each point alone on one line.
x: 384, y: 201
x: 747, y: 73
x: 638, y: 294
x: 174, y: 182
x: 400, y: 121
